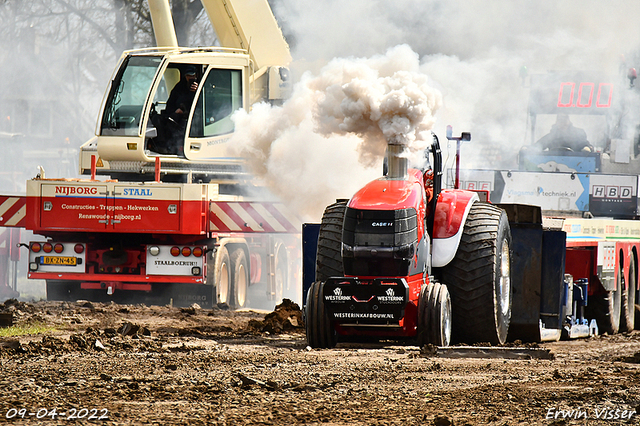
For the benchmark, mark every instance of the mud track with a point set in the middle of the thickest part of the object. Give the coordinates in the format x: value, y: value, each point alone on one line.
x: 173, y: 366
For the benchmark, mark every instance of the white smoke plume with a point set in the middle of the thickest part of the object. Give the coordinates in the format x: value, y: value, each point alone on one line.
x: 473, y: 51
x: 329, y: 138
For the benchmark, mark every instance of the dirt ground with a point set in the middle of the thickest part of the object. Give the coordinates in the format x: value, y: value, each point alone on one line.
x: 132, y: 364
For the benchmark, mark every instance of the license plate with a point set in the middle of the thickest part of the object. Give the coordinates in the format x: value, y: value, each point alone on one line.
x: 58, y: 260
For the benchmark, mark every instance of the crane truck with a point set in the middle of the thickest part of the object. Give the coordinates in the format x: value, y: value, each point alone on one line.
x: 185, y: 222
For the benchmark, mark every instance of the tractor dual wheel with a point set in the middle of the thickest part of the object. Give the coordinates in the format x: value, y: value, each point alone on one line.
x: 320, y: 333
x: 434, y: 315
x: 329, y: 255
x: 479, y: 277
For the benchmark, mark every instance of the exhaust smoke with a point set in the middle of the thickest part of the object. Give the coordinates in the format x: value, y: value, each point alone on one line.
x: 329, y: 138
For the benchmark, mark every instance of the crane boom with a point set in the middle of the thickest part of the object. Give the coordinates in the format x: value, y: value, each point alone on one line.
x: 249, y: 25
x: 162, y: 21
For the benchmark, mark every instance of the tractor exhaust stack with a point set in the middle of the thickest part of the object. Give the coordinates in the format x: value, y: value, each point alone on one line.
x: 397, y: 161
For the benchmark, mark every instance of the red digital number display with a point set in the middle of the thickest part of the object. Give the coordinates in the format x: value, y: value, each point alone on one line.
x: 567, y: 97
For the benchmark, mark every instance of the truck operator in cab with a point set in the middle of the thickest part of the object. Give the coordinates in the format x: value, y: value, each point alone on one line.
x: 564, y: 135
x: 171, y: 123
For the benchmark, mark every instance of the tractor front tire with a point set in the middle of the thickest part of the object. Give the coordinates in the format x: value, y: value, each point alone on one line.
x: 434, y: 315
x: 423, y: 314
x: 320, y: 333
x: 479, y: 277
x: 329, y: 256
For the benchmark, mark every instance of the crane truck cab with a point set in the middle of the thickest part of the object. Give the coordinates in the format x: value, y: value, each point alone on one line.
x: 134, y: 128
x: 251, y: 66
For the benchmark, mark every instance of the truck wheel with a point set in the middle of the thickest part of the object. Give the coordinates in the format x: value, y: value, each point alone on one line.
x: 320, y: 334
x: 479, y: 277
x: 606, y: 307
x: 627, y: 320
x: 434, y: 315
x: 606, y: 310
x: 240, y: 279
x: 222, y: 274
x: 329, y: 256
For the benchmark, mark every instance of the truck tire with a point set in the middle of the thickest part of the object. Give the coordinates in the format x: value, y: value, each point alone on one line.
x: 329, y: 256
x: 627, y: 319
x: 479, y: 277
x: 222, y: 277
x: 606, y: 307
x: 320, y: 333
x: 434, y: 315
x: 606, y: 310
x: 240, y: 278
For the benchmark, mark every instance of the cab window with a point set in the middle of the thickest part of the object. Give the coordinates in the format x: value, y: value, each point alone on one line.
x: 220, y: 97
x: 128, y: 95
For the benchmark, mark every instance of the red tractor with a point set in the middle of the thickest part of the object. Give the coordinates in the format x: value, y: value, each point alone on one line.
x: 405, y: 259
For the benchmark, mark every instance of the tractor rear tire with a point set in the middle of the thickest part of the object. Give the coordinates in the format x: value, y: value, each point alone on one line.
x: 329, y: 256
x: 627, y: 318
x: 320, y: 333
x: 479, y: 277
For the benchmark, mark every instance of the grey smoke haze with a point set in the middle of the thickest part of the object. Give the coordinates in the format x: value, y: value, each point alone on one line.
x: 329, y: 137
x: 471, y: 51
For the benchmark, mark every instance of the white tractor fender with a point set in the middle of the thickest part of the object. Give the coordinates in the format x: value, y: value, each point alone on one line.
x: 443, y: 250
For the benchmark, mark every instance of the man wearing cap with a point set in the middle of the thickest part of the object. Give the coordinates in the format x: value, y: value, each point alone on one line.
x: 172, y: 125
x: 181, y: 97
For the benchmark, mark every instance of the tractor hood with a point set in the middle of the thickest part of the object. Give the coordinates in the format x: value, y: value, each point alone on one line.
x: 391, y: 194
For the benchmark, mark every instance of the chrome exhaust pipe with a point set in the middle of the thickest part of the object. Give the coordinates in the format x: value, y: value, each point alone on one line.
x: 397, y: 162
